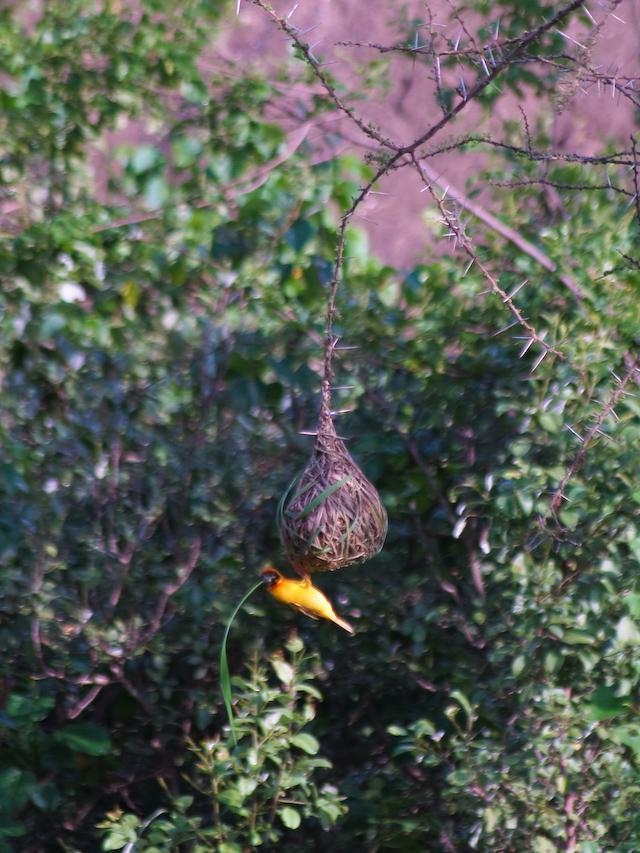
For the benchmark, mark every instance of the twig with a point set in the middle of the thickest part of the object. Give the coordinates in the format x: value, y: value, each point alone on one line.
x: 504, y: 230
x: 170, y: 590
x: 578, y: 462
x: 242, y: 185
x: 398, y: 155
x: 636, y: 177
x: 557, y: 185
x: 454, y: 225
x: 84, y: 703
x: 614, y: 159
x: 293, y: 33
x: 481, y: 85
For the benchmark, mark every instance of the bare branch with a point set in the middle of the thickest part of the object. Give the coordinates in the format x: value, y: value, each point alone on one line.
x: 636, y: 177
x: 293, y: 33
x: 242, y: 185
x: 454, y: 225
x: 504, y: 230
x: 578, y: 462
x: 84, y: 703
x: 520, y: 45
x: 170, y: 590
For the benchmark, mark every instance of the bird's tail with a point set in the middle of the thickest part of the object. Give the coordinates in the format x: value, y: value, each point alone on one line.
x: 343, y: 624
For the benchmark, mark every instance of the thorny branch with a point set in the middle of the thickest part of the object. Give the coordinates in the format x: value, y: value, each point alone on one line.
x: 170, y: 590
x: 632, y: 374
x: 296, y: 38
x: 596, y: 429
x: 501, y: 54
x: 457, y: 230
x: 398, y: 155
x: 504, y: 230
x: 558, y: 185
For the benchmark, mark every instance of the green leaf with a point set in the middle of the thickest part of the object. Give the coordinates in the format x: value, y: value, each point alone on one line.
x: 186, y: 151
x: 627, y: 632
x: 357, y: 246
x: 283, y: 670
x: 295, y: 644
x: 27, y: 709
x: 225, y: 678
x: 290, y: 817
x: 632, y: 603
x: 459, y: 696
x: 89, y: 738
x: 46, y: 797
x: 570, y: 518
x: 246, y: 786
x: 156, y: 192
x: 552, y: 662
x: 574, y: 637
x: 306, y: 742
x: 10, y: 829
x: 542, y: 844
x: 145, y: 158
x: 324, y: 494
x: 115, y: 841
x: 16, y: 787
x: 232, y: 798
x: 550, y: 421
x: 491, y: 819
x: 518, y: 665
x: 629, y: 736
x: 299, y: 234
x: 605, y: 704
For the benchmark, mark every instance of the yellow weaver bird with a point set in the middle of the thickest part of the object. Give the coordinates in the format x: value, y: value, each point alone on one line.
x: 302, y: 595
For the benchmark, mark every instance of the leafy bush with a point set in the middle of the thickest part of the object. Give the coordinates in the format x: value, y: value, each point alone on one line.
x: 258, y: 787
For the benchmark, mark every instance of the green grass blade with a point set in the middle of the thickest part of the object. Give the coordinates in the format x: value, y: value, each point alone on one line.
x: 324, y: 494
x: 298, y: 495
x: 225, y: 678
x: 283, y: 499
x: 312, y: 538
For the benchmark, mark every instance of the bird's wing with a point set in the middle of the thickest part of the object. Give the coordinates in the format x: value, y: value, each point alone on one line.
x: 306, y: 612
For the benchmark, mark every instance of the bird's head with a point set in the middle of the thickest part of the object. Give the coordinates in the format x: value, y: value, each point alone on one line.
x: 270, y: 577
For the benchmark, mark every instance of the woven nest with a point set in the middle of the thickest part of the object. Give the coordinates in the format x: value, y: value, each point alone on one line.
x: 331, y: 516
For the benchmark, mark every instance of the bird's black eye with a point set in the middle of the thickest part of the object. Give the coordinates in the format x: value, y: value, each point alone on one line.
x: 269, y: 578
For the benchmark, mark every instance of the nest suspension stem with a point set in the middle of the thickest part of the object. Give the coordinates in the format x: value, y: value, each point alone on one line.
x: 331, y: 516
x: 325, y: 423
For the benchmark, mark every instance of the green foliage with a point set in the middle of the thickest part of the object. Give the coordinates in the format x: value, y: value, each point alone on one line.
x: 257, y: 786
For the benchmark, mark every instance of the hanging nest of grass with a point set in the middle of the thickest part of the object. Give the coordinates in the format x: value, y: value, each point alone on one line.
x: 331, y: 516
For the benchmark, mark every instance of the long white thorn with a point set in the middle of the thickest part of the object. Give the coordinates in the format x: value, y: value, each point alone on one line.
x: 515, y: 290
x: 506, y: 328
x: 577, y: 435
x: 525, y: 348
x: 569, y: 38
x: 539, y: 361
